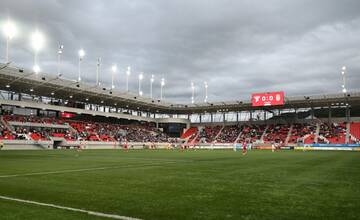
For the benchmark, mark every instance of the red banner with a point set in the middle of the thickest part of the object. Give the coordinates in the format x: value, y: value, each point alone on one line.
x: 267, y: 99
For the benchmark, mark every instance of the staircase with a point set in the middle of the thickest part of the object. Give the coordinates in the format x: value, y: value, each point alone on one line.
x: 347, y: 136
x: 194, y: 139
x: 189, y: 132
x: 317, y: 132
x: 289, y: 134
x: 218, y: 134
x: 7, y: 126
x: 238, y: 137
x: 264, y: 133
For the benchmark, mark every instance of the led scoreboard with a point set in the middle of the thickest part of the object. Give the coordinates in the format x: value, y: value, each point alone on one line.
x: 267, y: 99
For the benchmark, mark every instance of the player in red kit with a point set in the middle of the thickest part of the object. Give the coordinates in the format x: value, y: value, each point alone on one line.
x: 125, y: 145
x: 244, y: 149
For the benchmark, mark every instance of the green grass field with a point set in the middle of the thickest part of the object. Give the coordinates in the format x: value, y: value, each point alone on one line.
x: 162, y: 184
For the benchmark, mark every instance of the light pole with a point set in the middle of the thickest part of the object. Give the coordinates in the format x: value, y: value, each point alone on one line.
x: 10, y: 32
x: 113, y: 70
x: 37, y: 42
x: 128, y: 72
x: 206, y: 91
x: 161, y: 88
x: 60, y: 51
x: 343, y: 74
x: 192, y: 93
x: 141, y: 76
x: 98, y: 66
x: 81, y: 56
x: 151, y: 85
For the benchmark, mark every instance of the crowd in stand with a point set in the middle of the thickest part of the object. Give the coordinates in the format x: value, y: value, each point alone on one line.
x: 82, y: 130
x: 332, y: 133
x: 208, y: 134
x: 5, y: 133
x: 299, y: 131
x: 229, y: 134
x: 276, y: 133
x: 251, y: 133
x: 33, y: 119
x: 97, y: 131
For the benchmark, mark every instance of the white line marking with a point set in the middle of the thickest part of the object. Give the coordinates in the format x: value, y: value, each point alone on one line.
x: 85, y: 169
x: 100, y: 214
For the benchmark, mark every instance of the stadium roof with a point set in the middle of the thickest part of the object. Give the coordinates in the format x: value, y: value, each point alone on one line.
x: 23, y: 81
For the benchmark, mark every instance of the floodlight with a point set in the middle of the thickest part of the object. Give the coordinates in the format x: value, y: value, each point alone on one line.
x: 114, y: 68
x: 37, y: 41
x: 10, y: 30
x: 81, y: 53
x: 36, y: 68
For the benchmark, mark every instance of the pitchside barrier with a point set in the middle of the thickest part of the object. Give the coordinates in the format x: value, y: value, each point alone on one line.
x: 49, y: 145
x: 347, y: 147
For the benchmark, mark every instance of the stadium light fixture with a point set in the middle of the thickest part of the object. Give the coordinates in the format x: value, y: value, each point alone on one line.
x: 141, y: 76
x: 60, y: 51
x: 36, y: 68
x: 81, y: 53
x: 192, y: 92
x: 37, y: 42
x: 161, y: 88
x: 206, y: 91
x: 10, y: 31
x: 98, y: 69
x: 343, y: 74
x: 128, y: 72
x: 152, y: 79
x: 113, y: 70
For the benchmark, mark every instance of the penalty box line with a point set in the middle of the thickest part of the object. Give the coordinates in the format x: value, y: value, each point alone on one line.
x: 98, y: 214
x: 84, y: 170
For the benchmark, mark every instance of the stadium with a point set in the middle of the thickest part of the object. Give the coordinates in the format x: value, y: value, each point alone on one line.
x: 85, y: 149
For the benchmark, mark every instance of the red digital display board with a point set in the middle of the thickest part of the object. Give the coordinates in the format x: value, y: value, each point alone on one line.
x: 67, y: 115
x: 267, y: 99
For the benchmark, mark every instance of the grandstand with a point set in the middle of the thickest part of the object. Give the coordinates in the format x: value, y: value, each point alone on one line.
x: 54, y: 112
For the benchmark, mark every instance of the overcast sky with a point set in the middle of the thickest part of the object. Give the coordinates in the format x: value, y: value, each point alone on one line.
x: 238, y: 47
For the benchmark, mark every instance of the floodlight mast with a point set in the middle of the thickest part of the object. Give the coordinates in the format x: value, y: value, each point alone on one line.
x: 98, y: 67
x: 113, y: 70
x: 60, y: 51
x: 161, y: 88
x: 192, y: 93
x: 206, y: 91
x: 10, y: 32
x: 343, y: 74
x: 37, y: 42
x: 141, y: 76
x: 151, y: 85
x: 128, y: 72
x: 81, y: 56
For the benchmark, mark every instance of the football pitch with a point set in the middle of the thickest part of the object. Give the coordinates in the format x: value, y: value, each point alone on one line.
x: 170, y: 184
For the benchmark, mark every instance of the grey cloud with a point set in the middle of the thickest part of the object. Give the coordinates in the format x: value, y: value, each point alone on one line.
x: 239, y: 47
